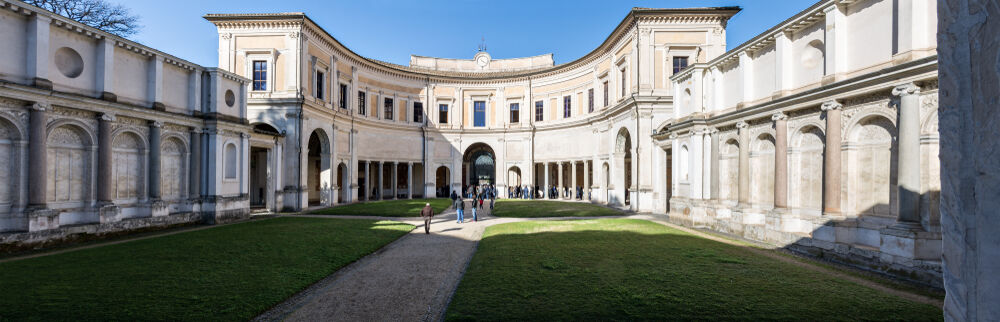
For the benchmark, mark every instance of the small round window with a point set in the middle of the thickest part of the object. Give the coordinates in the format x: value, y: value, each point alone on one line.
x: 230, y: 98
x: 68, y: 62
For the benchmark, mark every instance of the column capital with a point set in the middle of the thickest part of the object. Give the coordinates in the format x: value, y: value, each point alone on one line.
x: 712, y: 130
x: 742, y: 125
x: 831, y: 105
x: 673, y: 135
x: 156, y: 124
x: 245, y: 135
x: 106, y: 117
x: 38, y: 106
x: 905, y: 89
x: 779, y: 116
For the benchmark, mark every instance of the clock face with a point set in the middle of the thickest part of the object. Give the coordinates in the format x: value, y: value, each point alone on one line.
x: 482, y: 61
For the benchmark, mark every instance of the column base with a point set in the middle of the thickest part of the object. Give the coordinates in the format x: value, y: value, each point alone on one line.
x: 909, y: 240
x: 41, y: 218
x: 158, y: 208
x: 108, y: 212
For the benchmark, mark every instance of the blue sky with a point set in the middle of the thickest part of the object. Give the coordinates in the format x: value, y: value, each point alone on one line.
x: 392, y: 30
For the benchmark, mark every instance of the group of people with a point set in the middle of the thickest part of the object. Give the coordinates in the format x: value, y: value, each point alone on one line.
x: 479, y: 195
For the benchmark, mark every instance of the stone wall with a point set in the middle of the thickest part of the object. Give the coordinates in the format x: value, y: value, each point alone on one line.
x: 970, y: 168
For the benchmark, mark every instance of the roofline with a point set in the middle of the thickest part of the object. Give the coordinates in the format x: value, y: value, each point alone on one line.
x: 725, y: 14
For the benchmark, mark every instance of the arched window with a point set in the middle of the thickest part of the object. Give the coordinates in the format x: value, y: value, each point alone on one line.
x: 230, y: 161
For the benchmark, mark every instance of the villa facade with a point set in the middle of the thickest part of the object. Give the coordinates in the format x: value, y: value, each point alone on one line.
x: 819, y: 135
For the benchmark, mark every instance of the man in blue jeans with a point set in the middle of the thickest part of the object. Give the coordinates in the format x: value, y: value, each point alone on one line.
x: 460, y: 208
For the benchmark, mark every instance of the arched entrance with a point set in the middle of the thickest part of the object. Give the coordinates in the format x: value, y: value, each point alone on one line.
x: 441, y: 182
x: 318, y: 167
x: 478, y: 165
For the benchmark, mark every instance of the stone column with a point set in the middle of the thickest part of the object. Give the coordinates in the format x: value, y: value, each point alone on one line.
x: 744, y: 171
x: 381, y: 180
x: 409, y: 180
x: 586, y: 180
x: 572, y: 195
x: 714, y: 183
x: 545, y: 193
x: 908, y: 168
x: 395, y: 180
x: 154, y: 160
x: 104, y: 158
x: 831, y: 159
x: 194, y: 166
x: 368, y: 179
x: 559, y: 179
x: 780, y: 160
x: 37, y: 163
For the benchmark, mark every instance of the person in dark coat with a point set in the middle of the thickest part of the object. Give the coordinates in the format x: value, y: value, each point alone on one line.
x: 427, y: 213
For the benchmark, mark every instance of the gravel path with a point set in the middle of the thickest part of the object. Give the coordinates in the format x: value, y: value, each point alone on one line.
x: 410, y: 279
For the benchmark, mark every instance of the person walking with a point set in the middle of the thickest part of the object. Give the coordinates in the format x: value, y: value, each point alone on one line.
x: 491, y: 205
x: 427, y: 213
x: 475, y: 216
x: 460, y: 209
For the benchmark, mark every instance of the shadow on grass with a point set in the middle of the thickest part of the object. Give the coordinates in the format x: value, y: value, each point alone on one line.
x: 639, y: 270
x: 230, y: 272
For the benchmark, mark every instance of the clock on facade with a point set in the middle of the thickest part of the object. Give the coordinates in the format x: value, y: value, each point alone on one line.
x: 482, y: 59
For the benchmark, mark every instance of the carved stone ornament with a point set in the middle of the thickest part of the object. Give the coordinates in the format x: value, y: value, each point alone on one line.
x: 742, y: 125
x: 673, y: 135
x: 106, y: 117
x: 39, y: 107
x: 156, y: 124
x: 905, y: 89
x: 831, y: 105
x: 779, y: 116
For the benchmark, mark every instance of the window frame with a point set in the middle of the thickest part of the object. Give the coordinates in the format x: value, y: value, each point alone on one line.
x: 362, y: 101
x: 590, y: 100
x: 567, y: 106
x: 253, y: 76
x: 418, y: 112
x: 442, y: 113
x: 475, y: 114
x: 388, y: 108
x: 675, y: 61
x: 515, y: 112
x: 319, y: 84
x: 539, y: 111
x: 607, y: 91
x: 343, y: 95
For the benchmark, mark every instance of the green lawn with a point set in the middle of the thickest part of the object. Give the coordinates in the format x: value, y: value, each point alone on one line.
x: 625, y: 269
x: 387, y: 208
x: 225, y: 273
x: 545, y: 208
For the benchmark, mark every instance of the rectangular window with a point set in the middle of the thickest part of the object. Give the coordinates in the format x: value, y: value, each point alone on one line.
x: 443, y: 113
x: 418, y: 112
x: 319, y: 85
x: 479, y: 113
x: 606, y: 100
x: 361, y: 102
x: 343, y: 95
x: 590, y: 100
x: 624, y: 78
x: 388, y: 108
x: 259, y: 75
x: 566, y: 107
x: 680, y: 63
x: 539, y: 111
x: 515, y: 110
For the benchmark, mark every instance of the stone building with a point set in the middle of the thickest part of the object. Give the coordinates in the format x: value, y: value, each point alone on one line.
x: 359, y: 129
x: 99, y: 134
x: 819, y: 135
